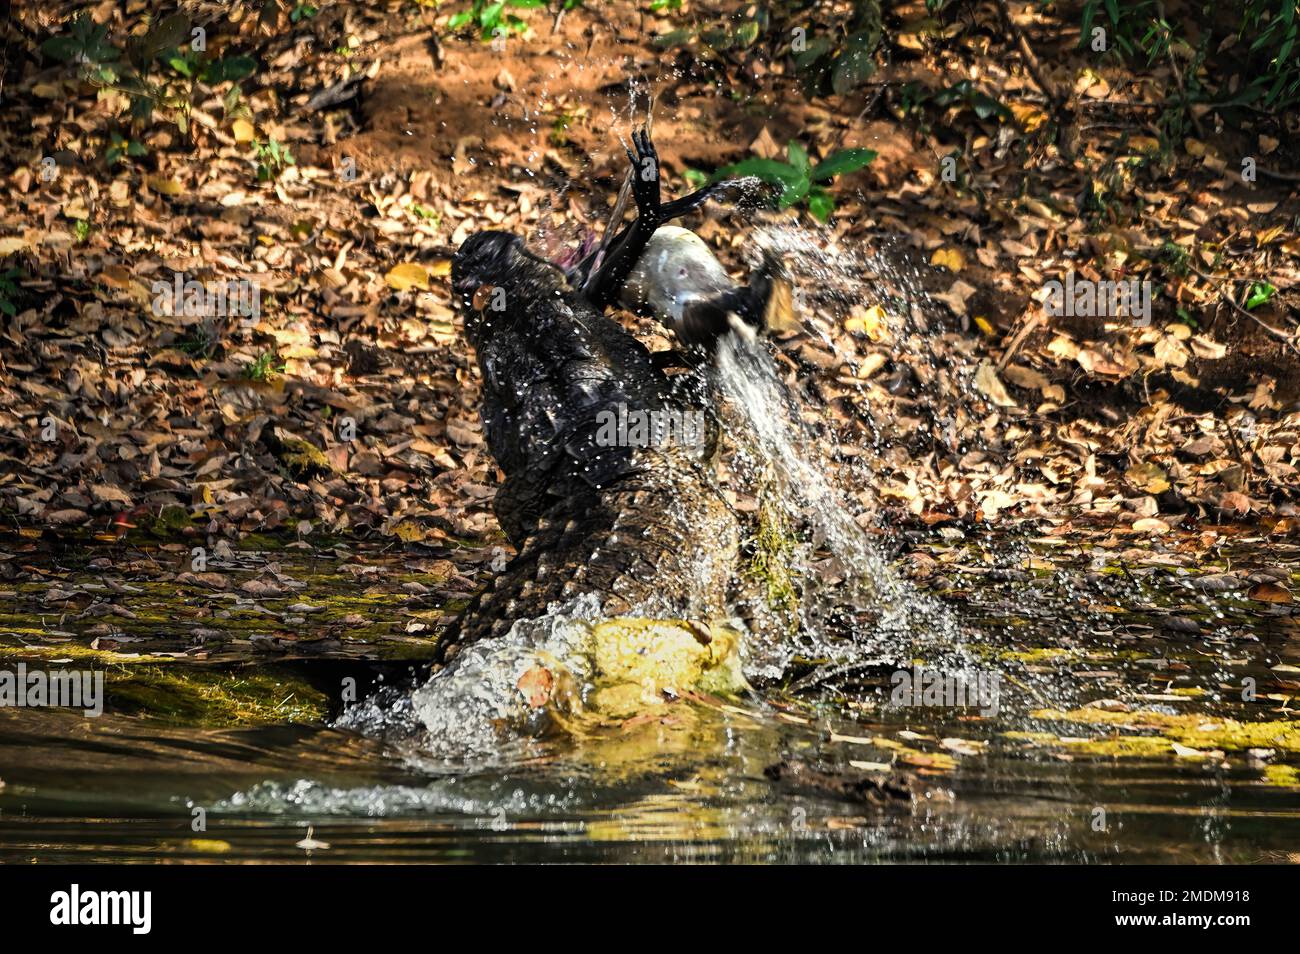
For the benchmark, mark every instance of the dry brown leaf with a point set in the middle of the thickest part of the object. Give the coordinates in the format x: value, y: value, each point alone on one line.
x: 406, y: 276
x: 988, y: 383
x: 1269, y: 593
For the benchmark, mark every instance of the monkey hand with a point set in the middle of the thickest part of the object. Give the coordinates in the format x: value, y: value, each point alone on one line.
x: 645, y: 178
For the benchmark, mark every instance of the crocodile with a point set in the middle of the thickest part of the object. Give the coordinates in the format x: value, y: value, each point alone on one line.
x: 638, y: 523
x: 637, y: 520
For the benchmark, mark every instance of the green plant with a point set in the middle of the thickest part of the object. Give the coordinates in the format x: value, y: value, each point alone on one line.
x: 491, y: 18
x: 843, y: 59
x: 303, y: 11
x: 798, y: 179
x: 9, y: 290
x: 119, y: 146
x: 1175, y: 259
x: 200, y: 341
x: 833, y: 46
x: 81, y: 230
x: 1260, y: 292
x: 695, y: 178
x: 1254, y: 40
x: 966, y: 94
x: 559, y: 135
x: 272, y: 159
x: 717, y: 38
x: 426, y: 213
x: 85, y: 42
x: 264, y: 367
x: 134, y: 70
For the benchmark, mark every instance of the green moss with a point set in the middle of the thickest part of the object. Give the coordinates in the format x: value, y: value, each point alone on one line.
x: 938, y: 761
x: 1198, y: 731
x: 1123, y: 746
x: 774, y: 548
x: 69, y: 650
x: 171, y: 521
x: 1282, y: 775
x: 1041, y: 654
x: 185, y: 692
x: 214, y: 698
x: 302, y: 457
x: 263, y: 541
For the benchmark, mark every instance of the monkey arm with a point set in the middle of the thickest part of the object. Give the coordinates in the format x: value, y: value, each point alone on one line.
x: 600, y: 278
x: 602, y: 286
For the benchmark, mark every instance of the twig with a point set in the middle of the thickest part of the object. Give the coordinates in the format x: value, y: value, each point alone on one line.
x: 875, y: 98
x: 1277, y: 333
x: 1236, y: 447
x: 1020, y: 337
x: 1274, y: 174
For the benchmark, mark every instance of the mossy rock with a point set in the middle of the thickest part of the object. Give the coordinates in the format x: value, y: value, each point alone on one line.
x: 300, y: 457
x: 773, y: 549
x: 637, y: 660
x: 171, y: 521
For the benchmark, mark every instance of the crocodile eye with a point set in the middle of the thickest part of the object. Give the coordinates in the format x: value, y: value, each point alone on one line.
x: 481, y: 296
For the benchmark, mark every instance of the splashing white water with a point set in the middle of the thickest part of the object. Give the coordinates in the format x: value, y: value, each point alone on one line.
x: 839, y: 570
x: 458, y: 713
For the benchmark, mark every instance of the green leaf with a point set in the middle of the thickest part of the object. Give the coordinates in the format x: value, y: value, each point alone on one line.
x: 842, y: 162
x: 856, y: 64
x: 719, y: 40
x: 794, y: 191
x: 674, y: 38
x: 821, y: 204
x: 1260, y: 292
x: 229, y: 69
x: 695, y: 178
x: 769, y: 170
x: 168, y: 34
x: 61, y: 48
x: 458, y: 20
x: 748, y: 33
x: 798, y: 157
x: 986, y: 106
x: 814, y: 51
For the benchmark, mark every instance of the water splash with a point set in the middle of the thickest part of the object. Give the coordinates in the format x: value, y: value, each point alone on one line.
x: 458, y: 714
x: 852, y: 607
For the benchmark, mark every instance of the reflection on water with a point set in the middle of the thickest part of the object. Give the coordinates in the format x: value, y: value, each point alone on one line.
x: 686, y: 783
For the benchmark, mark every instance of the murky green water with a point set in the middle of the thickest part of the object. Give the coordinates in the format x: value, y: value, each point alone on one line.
x: 1120, y: 734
